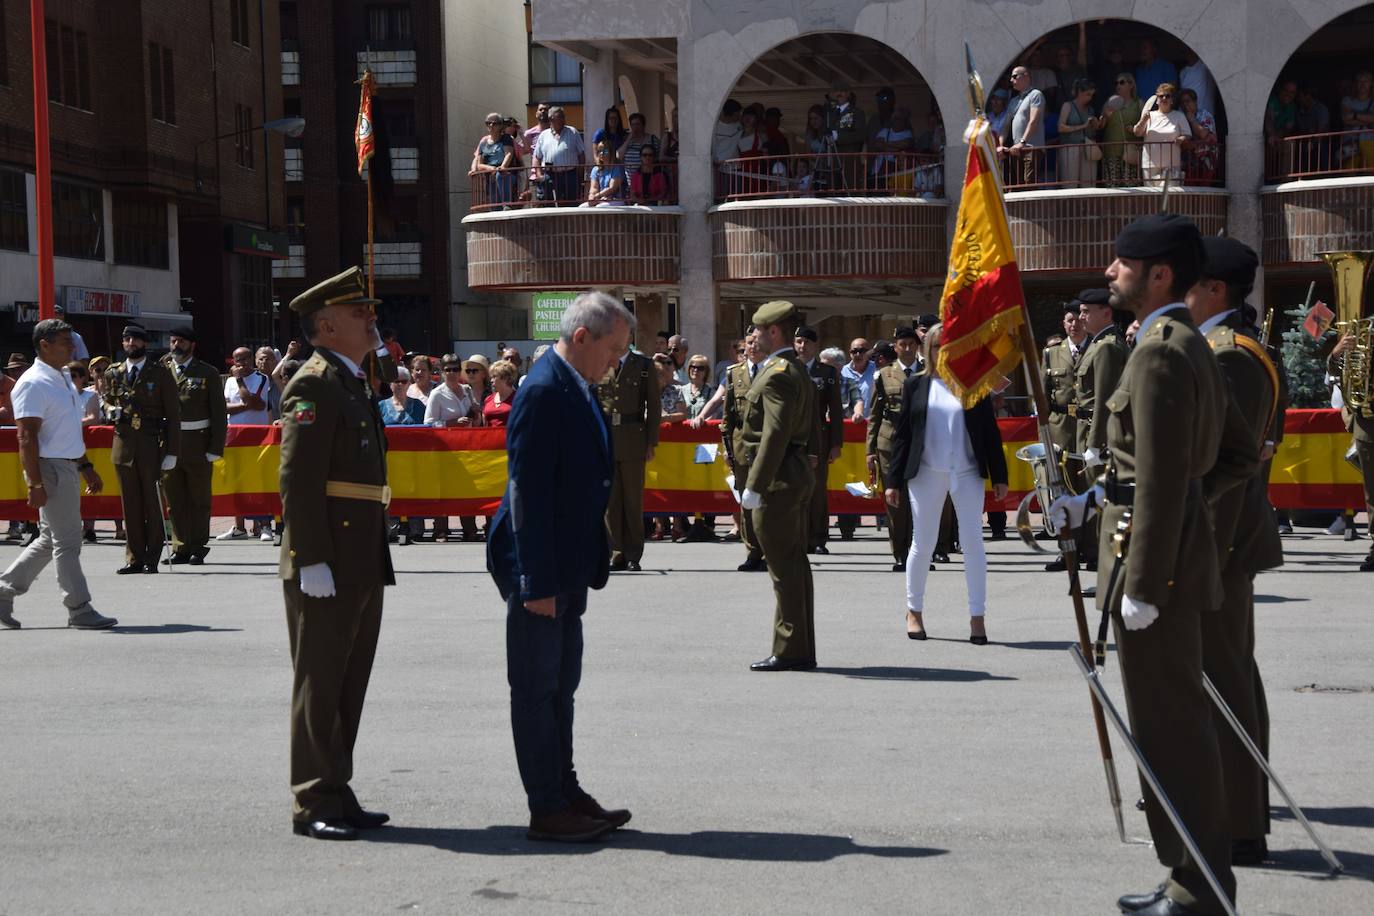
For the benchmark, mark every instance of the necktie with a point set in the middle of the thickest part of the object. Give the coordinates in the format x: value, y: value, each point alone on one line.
x: 907, y: 372
x: 133, y: 374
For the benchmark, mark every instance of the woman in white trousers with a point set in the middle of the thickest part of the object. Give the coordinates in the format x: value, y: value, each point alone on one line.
x: 940, y: 449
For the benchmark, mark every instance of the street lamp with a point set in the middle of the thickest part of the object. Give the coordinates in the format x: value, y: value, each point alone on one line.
x: 289, y: 127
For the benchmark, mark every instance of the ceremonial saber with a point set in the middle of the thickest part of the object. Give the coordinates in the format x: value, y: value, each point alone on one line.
x: 165, y: 510
x: 1245, y: 739
x: 1030, y: 359
x: 1100, y: 693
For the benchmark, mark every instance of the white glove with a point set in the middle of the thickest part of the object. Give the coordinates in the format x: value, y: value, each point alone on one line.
x: 1137, y: 615
x: 169, y: 462
x: 1093, y: 458
x: 1068, y: 512
x: 749, y: 499
x: 317, y: 581
x: 212, y: 458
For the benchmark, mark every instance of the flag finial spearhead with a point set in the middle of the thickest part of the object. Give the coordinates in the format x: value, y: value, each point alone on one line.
x: 977, y: 98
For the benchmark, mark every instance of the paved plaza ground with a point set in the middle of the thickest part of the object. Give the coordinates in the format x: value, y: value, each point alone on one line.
x: 144, y: 770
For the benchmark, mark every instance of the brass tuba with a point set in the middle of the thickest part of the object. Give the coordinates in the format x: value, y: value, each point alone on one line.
x: 1349, y: 270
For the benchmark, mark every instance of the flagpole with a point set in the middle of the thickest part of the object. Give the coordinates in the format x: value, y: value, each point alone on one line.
x: 42, y: 164
x: 370, y: 271
x: 1030, y: 359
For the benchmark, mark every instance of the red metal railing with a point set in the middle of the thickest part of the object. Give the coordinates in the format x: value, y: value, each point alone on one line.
x: 1334, y: 154
x: 831, y: 175
x: 1124, y: 164
x: 571, y: 186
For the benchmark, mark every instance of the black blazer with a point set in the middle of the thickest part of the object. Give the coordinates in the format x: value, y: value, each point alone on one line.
x: 909, y: 436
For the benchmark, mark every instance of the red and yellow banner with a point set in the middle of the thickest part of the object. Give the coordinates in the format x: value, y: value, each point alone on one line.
x: 980, y: 308
x: 463, y: 472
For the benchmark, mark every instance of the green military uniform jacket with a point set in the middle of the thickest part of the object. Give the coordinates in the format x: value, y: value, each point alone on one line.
x: 630, y: 396
x: 883, y: 409
x: 332, y: 431
x: 737, y: 381
x: 148, y: 407
x: 1057, y: 374
x: 1164, y: 428
x: 200, y: 395
x: 1099, y: 370
x: 829, y: 409
x: 778, y: 430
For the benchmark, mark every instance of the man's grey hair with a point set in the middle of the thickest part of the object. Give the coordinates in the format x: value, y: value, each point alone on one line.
x: 832, y: 356
x: 48, y: 329
x: 557, y: 111
x: 598, y: 313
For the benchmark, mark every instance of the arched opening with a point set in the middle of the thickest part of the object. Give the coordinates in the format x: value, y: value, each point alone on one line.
x: 1099, y: 123
x: 829, y: 114
x: 1319, y: 119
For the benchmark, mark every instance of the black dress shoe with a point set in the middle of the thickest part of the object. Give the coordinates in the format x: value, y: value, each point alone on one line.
x: 324, y: 830
x: 1249, y: 852
x: 901, y: 567
x: 1368, y: 564
x: 177, y: 559
x: 821, y: 549
x: 366, y: 820
x: 941, y: 557
x: 752, y: 564
x: 1140, y: 804
x: 1165, y: 906
x: 619, y: 565
x: 588, y: 807
x: 634, y: 567
x: 150, y: 569
x: 1056, y: 565
x: 1132, y: 903
x: 129, y: 570
x: 198, y: 558
x: 978, y: 640
x: 773, y: 663
x: 567, y: 826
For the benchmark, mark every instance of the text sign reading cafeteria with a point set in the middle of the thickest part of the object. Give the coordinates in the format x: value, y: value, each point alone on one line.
x: 547, y: 313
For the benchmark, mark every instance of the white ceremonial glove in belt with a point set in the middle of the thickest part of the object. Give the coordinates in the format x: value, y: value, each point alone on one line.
x: 1093, y: 459
x: 1137, y: 615
x: 317, y: 581
x: 169, y: 462
x: 749, y: 499
x: 1072, y: 511
x: 212, y: 458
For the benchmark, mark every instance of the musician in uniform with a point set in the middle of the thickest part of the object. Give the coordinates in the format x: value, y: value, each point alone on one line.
x: 830, y: 416
x: 204, y: 424
x: 1164, y: 426
x: 629, y: 395
x: 1361, y: 427
x: 335, y: 561
x: 1247, y: 537
x: 882, y: 423
x: 141, y: 401
x: 738, y: 378
x: 781, y: 447
x: 1057, y: 371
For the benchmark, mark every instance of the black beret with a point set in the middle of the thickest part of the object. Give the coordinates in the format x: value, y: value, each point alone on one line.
x: 184, y: 331
x: 1071, y: 306
x: 134, y: 330
x: 1157, y: 235
x: 905, y: 334
x: 928, y: 321
x: 1096, y: 296
x: 884, y: 350
x: 1231, y: 261
x: 808, y: 333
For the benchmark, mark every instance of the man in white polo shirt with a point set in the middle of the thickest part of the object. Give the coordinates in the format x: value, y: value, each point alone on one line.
x: 52, y: 451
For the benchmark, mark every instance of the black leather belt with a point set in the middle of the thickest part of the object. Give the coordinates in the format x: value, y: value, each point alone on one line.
x: 1123, y: 494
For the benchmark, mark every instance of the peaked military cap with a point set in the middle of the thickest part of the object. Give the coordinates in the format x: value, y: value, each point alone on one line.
x: 775, y: 312
x: 347, y: 288
x: 1231, y: 261
x: 1156, y: 235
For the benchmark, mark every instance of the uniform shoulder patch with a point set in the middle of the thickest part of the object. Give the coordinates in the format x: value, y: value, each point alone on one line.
x: 303, y: 413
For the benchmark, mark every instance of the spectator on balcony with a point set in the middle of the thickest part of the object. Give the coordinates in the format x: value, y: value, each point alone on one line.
x: 894, y: 139
x: 1310, y: 116
x: 821, y: 173
x: 1041, y: 77
x: 997, y: 112
x: 751, y: 147
x: 634, y: 143
x: 494, y: 157
x: 1279, y: 114
x: 558, y: 153
x: 670, y: 140
x: 612, y: 131
x: 421, y: 379
x: 1200, y: 160
x: 1070, y: 67
x: 1025, y: 138
x: 775, y: 140
x: 606, y: 185
x: 517, y: 136
x: 1077, y: 169
x: 725, y: 137
x: 401, y: 409
x: 886, y: 100
x: 1357, y: 113
x: 1120, y: 148
x: 1153, y: 69
x: 649, y: 184
x: 848, y: 130
x: 932, y: 140
x: 497, y: 406
x: 1197, y: 77
x: 1106, y: 71
x: 929, y: 180
x: 531, y: 136
x: 1165, y: 130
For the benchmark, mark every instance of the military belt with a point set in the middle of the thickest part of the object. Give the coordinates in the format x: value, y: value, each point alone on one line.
x: 195, y: 424
x: 1118, y: 493
x: 1080, y: 413
x: 624, y: 420
x: 1055, y: 408
x: 364, y: 491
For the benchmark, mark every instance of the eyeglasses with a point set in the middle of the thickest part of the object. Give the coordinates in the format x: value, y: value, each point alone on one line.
x: 453, y: 369
x: 1167, y: 97
x: 858, y: 350
x: 696, y: 368
x: 673, y: 349
x: 490, y: 123
x: 472, y: 370
x: 739, y: 352
x: 1123, y: 82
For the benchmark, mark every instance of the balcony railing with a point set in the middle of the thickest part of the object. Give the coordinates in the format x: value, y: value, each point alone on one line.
x: 1124, y: 164
x: 1337, y: 154
x: 570, y: 186
x: 831, y: 175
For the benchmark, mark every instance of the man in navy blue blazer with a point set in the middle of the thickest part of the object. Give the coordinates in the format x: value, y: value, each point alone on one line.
x: 547, y: 545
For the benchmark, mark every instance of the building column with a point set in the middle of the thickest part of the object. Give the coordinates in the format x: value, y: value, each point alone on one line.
x: 1244, y: 214
x: 599, y: 91
x: 698, y: 299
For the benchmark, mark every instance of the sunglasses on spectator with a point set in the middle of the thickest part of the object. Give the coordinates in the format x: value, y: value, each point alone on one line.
x: 1167, y: 97
x: 697, y: 368
x: 453, y: 368
x: 740, y: 351
x: 858, y: 349
x: 1123, y: 82
x: 490, y: 123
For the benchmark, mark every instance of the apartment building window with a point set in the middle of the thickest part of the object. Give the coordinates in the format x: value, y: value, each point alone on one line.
x: 243, y: 135
x: 161, y: 85
x: 140, y: 231
x: 554, y: 77
x: 388, y: 22
x: 14, y: 211
x: 290, y: 24
x: 69, y: 66
x: 255, y: 299
x: 295, y: 219
x: 238, y: 22
x: 78, y: 221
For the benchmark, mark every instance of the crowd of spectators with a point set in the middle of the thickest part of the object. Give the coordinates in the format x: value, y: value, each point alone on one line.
x: 1302, y: 137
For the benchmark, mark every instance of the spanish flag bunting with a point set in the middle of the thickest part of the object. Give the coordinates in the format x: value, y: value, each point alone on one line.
x: 363, y: 138
x: 981, y: 306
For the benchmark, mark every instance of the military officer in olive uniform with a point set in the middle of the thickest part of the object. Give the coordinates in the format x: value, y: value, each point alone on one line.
x: 781, y: 447
x: 1164, y: 430
x: 882, y: 422
x: 1361, y: 428
x: 830, y: 416
x: 335, y: 561
x: 1247, y: 537
x: 738, y: 378
x: 1058, y: 371
x: 141, y: 400
x: 204, y: 423
x: 630, y: 396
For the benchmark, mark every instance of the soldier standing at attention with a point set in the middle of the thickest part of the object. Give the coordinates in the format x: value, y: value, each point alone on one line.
x: 738, y: 378
x: 204, y: 421
x: 630, y: 396
x: 830, y: 414
x: 882, y: 422
x: 334, y: 557
x: 1361, y: 428
x: 778, y: 426
x: 1164, y: 429
x: 1060, y: 362
x: 143, y: 405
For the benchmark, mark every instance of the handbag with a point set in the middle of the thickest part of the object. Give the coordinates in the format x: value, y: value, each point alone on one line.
x: 1132, y: 152
x: 1094, y: 152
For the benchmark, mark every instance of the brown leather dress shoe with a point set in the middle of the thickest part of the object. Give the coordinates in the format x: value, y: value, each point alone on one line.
x: 567, y: 826
x: 617, y: 817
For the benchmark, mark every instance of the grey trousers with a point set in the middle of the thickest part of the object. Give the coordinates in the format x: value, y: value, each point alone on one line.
x: 59, y: 540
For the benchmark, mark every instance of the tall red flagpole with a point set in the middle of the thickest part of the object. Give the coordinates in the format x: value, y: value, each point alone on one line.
x: 42, y: 167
